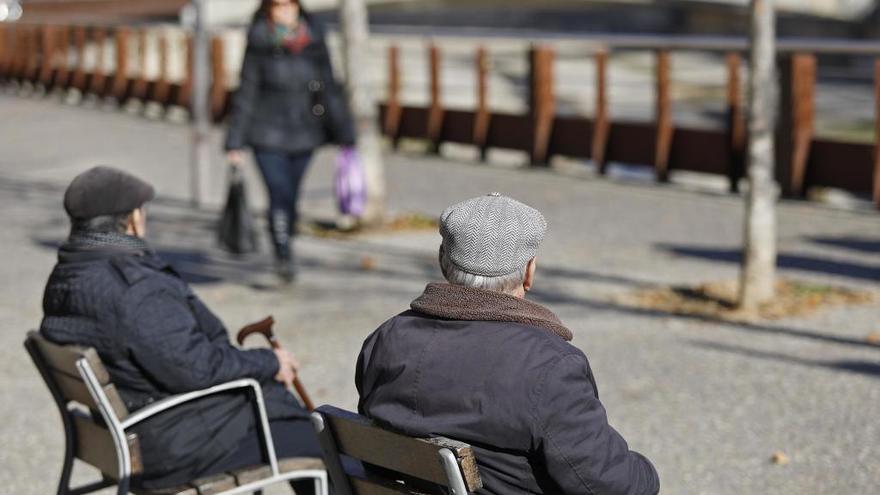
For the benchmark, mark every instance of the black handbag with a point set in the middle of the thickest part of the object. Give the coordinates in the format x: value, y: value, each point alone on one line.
x: 236, y: 232
x: 330, y: 107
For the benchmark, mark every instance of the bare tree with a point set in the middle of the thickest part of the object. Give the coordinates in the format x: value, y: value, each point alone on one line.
x: 355, y: 49
x: 758, y: 275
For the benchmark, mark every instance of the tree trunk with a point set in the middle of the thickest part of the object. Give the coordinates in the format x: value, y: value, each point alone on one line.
x: 758, y: 275
x: 355, y: 48
x: 201, y: 119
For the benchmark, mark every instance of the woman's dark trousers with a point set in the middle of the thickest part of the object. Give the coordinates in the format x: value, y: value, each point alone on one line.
x: 282, y: 173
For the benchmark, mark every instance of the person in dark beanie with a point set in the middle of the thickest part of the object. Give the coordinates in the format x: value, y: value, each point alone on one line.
x: 475, y: 361
x: 110, y: 291
x: 287, y: 105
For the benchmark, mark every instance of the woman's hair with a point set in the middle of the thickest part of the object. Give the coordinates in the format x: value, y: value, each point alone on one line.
x: 263, y: 10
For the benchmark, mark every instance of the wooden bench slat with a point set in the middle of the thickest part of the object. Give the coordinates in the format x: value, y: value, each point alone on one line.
x: 367, y: 486
x: 217, y: 483
x: 358, y: 437
x: 177, y: 490
x: 289, y: 464
x: 96, y: 447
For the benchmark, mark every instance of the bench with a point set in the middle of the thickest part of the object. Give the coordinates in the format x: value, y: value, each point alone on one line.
x: 96, y: 424
x: 394, y: 464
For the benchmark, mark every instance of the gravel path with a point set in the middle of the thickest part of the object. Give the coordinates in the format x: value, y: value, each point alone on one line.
x: 708, y: 402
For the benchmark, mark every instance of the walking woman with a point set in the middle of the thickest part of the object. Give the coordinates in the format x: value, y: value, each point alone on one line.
x: 287, y: 105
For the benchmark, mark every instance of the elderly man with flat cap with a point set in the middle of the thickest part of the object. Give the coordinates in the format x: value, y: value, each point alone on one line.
x: 475, y: 361
x: 156, y: 338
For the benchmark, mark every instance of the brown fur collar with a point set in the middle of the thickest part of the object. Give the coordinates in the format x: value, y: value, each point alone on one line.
x: 456, y: 302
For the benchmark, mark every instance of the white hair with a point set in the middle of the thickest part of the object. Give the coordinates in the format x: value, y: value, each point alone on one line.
x: 503, y: 283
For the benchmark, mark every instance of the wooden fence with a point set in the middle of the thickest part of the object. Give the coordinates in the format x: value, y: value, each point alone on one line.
x: 54, y: 56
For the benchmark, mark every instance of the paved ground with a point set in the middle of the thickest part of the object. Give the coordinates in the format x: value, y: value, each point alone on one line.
x: 707, y: 402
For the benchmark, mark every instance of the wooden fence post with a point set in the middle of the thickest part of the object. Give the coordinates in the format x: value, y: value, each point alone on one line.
x: 4, y: 50
x: 47, y: 50
x: 796, y: 122
x: 32, y: 70
x: 542, y: 103
x: 736, y: 123
x: 435, y: 112
x: 482, y: 116
x: 78, y: 77
x: 119, y: 88
x: 99, y: 72
x: 62, y: 54
x: 393, y: 111
x: 877, y: 136
x: 601, y: 122
x: 139, y: 86
x: 161, y: 88
x: 663, y: 142
x: 218, y: 78
x: 184, y: 96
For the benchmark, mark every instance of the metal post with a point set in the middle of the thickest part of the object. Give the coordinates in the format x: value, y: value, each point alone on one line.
x: 201, y: 116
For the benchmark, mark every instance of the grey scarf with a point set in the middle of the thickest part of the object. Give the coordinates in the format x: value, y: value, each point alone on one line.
x: 456, y: 302
x: 97, y: 240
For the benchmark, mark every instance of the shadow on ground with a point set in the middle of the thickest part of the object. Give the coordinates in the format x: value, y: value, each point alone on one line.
x: 848, y: 269
x: 871, y: 369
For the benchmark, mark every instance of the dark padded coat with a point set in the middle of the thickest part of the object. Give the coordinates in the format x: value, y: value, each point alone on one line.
x: 525, y: 399
x: 157, y: 338
x: 288, y: 101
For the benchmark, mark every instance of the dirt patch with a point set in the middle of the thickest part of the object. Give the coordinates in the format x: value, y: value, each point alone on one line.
x: 407, y: 222
x: 717, y: 300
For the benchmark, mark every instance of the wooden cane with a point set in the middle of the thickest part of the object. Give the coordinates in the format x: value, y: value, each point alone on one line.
x: 264, y: 328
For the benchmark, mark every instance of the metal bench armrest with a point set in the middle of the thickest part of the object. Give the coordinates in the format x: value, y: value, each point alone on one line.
x: 176, y: 400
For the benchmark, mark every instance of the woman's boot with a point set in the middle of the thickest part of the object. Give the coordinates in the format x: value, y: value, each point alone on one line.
x: 280, y: 230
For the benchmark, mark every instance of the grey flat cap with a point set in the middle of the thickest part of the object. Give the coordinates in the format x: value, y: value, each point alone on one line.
x: 105, y: 191
x: 491, y: 235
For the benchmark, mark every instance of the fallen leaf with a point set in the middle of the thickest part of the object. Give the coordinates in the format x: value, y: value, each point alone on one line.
x: 779, y: 458
x: 873, y: 338
x: 368, y: 263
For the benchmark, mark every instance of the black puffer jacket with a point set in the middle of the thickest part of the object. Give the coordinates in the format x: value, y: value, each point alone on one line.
x: 288, y: 101
x: 157, y: 338
x: 524, y: 398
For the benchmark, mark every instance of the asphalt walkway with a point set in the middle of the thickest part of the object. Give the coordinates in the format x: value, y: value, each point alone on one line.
x: 708, y: 402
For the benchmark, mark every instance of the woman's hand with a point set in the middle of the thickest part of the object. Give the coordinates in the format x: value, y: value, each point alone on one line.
x: 235, y: 157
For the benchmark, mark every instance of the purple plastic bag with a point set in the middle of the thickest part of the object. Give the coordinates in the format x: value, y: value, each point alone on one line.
x: 351, y: 186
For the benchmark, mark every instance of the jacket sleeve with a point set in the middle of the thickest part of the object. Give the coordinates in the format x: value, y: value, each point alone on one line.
x: 165, y: 340
x: 244, y: 101
x: 582, y: 452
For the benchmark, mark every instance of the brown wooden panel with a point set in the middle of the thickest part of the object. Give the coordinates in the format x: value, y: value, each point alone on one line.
x: 94, y: 445
x: 458, y: 126
x: 571, y: 136
x: 418, y: 457
x: 413, y: 122
x: 877, y: 132
x: 699, y: 150
x: 72, y: 388
x: 842, y: 165
x: 64, y: 357
x: 509, y: 131
x: 630, y: 142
